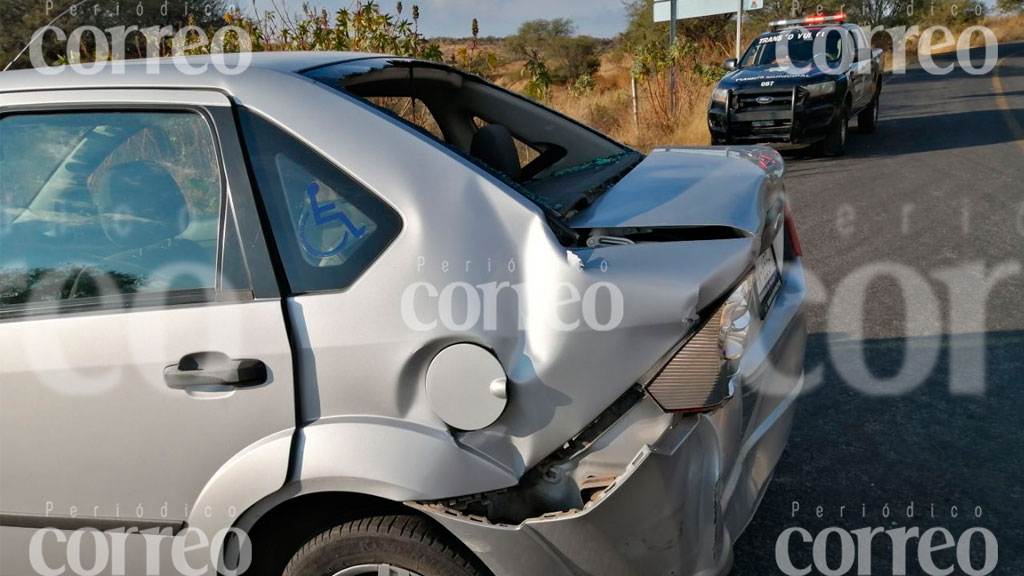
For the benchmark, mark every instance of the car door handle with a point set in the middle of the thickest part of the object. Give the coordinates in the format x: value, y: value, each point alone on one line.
x: 215, y: 370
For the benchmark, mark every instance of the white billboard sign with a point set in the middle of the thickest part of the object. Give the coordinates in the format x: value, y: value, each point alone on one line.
x: 698, y: 8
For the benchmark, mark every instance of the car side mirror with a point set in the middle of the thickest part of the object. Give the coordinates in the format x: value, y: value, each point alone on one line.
x: 730, y: 64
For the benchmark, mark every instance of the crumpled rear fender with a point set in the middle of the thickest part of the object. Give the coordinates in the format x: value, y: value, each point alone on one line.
x: 383, y: 457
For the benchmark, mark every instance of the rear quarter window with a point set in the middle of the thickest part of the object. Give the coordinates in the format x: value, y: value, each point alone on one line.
x: 328, y: 228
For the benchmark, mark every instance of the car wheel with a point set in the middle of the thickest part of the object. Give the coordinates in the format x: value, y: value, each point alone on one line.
x: 719, y: 141
x: 391, y: 545
x: 835, y: 143
x: 867, y: 121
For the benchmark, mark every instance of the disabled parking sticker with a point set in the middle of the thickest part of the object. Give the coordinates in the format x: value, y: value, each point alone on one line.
x: 324, y: 217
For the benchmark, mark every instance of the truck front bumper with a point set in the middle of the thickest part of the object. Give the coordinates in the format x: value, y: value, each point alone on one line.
x: 801, y: 124
x: 683, y: 499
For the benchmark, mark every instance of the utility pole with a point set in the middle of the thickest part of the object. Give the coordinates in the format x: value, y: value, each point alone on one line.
x: 672, y: 69
x: 636, y: 106
x: 739, y: 30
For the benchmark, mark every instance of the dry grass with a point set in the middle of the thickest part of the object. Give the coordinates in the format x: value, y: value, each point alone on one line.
x: 1007, y: 29
x: 608, y: 108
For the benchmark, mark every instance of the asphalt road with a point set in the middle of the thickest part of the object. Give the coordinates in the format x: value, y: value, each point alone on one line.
x: 937, y: 192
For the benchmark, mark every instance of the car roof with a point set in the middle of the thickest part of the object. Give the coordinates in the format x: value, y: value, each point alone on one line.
x: 140, y: 73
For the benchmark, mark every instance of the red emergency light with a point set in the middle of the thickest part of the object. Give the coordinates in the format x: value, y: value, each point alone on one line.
x: 822, y: 19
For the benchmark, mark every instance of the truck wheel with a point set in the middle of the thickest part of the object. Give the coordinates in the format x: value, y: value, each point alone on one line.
x: 835, y: 143
x: 867, y: 120
x: 392, y: 545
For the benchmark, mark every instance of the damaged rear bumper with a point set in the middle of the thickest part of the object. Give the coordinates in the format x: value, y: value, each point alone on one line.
x: 656, y: 519
x: 685, y: 496
x: 664, y: 516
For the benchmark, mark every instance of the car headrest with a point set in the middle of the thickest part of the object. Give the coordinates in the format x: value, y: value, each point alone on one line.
x: 140, y: 204
x: 493, y: 145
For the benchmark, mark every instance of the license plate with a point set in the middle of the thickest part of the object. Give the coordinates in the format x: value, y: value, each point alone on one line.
x: 768, y: 279
x: 764, y: 123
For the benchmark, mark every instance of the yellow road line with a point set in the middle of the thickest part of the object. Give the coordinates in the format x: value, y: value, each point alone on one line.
x: 1004, y: 104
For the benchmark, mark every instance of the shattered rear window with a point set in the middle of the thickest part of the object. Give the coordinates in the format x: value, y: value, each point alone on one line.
x: 554, y: 161
x: 525, y: 152
x: 410, y: 110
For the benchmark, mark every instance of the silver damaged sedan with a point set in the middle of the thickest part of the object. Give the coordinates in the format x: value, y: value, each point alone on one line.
x: 347, y: 314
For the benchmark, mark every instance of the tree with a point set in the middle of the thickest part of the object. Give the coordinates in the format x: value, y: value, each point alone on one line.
x: 538, y: 39
x: 1010, y: 6
x: 21, y: 19
x: 580, y: 57
x: 364, y: 27
x: 864, y: 12
x: 643, y: 32
x: 541, y: 42
x: 954, y: 14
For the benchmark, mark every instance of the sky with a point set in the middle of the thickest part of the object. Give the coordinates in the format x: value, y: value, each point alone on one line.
x: 603, y: 18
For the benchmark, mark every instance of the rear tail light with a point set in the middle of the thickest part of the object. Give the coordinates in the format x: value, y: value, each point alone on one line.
x: 791, y: 233
x: 697, y: 378
x: 767, y: 159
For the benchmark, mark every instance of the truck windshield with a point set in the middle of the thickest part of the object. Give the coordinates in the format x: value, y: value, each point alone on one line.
x: 794, y: 47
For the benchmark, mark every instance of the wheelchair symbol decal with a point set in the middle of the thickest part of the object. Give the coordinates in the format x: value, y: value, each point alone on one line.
x: 323, y: 214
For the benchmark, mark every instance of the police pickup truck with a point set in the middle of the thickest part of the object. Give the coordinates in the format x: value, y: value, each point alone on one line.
x: 799, y: 85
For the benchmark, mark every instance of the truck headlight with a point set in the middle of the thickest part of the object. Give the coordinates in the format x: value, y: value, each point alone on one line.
x: 720, y: 95
x: 821, y: 89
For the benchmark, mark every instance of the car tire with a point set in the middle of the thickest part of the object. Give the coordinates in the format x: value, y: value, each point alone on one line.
x: 834, y: 143
x: 719, y: 141
x: 867, y: 121
x: 401, y: 545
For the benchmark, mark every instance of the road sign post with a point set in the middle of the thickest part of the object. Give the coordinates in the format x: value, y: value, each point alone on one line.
x: 672, y: 69
x: 672, y: 11
x: 739, y: 29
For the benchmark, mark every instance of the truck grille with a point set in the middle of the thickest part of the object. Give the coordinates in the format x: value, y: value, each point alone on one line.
x: 760, y: 112
x: 762, y: 101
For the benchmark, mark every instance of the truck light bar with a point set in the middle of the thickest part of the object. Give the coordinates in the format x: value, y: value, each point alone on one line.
x: 809, y: 20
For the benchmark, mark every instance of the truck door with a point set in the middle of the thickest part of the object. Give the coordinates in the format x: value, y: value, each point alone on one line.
x: 861, y: 72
